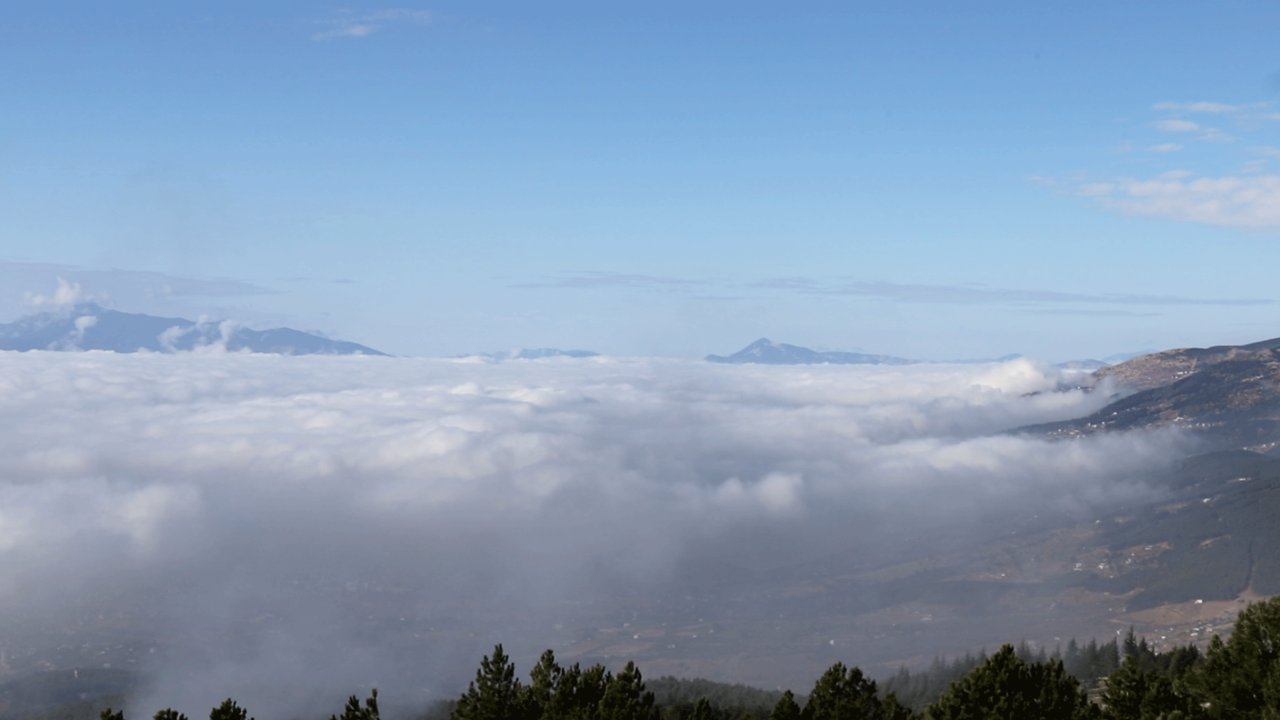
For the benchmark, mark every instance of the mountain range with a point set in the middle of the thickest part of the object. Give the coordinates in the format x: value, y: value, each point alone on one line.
x: 766, y: 352
x: 89, y: 326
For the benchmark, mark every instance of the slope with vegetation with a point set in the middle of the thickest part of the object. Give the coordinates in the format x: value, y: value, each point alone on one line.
x: 1238, y: 678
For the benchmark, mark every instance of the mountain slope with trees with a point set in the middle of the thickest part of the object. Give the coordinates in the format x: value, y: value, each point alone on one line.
x: 1238, y: 678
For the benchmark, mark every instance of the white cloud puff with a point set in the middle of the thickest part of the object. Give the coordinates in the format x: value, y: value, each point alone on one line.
x: 65, y: 295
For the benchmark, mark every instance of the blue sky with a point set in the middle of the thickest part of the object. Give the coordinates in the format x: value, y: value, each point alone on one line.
x: 938, y: 180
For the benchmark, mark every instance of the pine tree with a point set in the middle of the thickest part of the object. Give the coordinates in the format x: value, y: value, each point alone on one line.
x: 544, y: 679
x: 1072, y: 659
x: 786, y: 708
x: 353, y: 710
x: 578, y: 693
x: 495, y: 694
x: 891, y: 709
x: 1237, y: 678
x: 229, y: 710
x: 625, y: 697
x: 1135, y: 694
x: 168, y: 714
x: 843, y: 694
x: 1006, y: 688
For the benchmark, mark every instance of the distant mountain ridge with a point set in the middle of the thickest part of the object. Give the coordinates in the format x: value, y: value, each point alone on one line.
x: 89, y: 326
x: 767, y: 352
x: 1082, y: 364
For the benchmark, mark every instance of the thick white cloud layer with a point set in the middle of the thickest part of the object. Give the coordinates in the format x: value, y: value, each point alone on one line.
x: 248, y: 506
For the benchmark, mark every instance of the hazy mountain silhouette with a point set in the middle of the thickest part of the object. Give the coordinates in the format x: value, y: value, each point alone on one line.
x: 767, y: 352
x: 89, y: 326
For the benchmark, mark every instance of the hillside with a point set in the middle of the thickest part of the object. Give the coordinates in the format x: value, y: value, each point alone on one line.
x: 1230, y: 401
x: 1162, y: 368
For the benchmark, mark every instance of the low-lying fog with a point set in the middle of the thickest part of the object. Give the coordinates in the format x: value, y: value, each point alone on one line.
x: 280, y: 528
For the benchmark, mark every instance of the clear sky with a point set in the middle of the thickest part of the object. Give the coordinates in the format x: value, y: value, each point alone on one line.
x: 937, y: 180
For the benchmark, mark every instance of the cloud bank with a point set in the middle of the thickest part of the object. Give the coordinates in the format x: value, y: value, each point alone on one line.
x: 282, y: 528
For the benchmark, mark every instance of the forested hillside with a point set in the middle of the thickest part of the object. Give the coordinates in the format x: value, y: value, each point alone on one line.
x: 1128, y: 680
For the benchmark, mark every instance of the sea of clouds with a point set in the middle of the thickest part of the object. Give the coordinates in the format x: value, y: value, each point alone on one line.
x: 263, y: 525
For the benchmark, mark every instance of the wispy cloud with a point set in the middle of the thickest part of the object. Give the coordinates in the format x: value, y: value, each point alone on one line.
x: 1242, y: 116
x: 1089, y: 312
x: 1177, y: 126
x: 15, y: 273
x: 351, y: 25
x: 1254, y: 166
x: 21, y: 283
x: 953, y: 294
x: 1247, y: 196
x: 979, y: 294
x: 1183, y: 127
x: 1212, y: 108
x: 1236, y: 112
x: 1243, y: 201
x: 1216, y: 135
x: 589, y: 280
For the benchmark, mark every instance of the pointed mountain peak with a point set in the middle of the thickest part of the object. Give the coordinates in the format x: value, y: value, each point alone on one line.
x: 761, y: 347
x: 766, y: 352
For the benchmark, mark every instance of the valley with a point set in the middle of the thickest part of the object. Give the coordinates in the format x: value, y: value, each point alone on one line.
x: 1175, y: 554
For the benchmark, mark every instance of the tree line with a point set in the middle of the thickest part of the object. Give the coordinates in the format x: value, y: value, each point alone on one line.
x: 1122, y: 680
